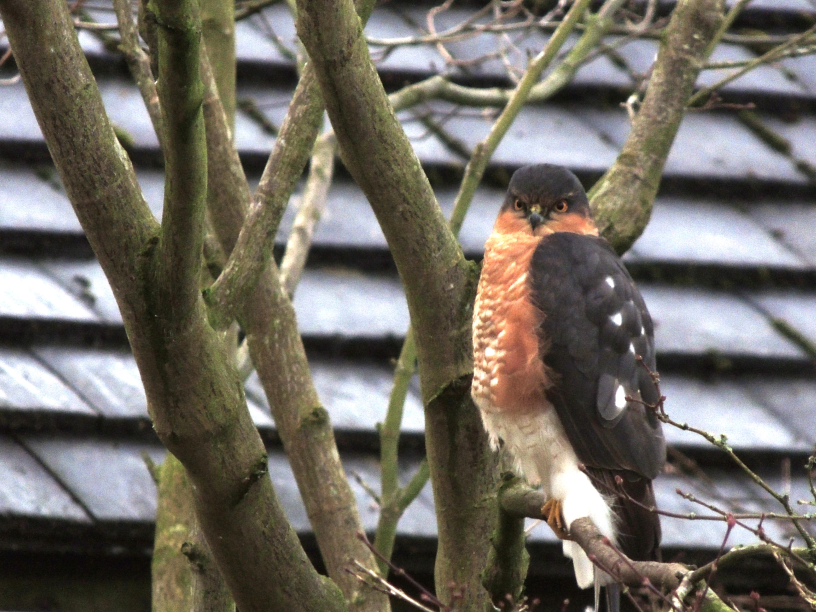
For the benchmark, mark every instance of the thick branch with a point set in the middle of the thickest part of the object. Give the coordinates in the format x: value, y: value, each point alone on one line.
x: 185, y: 160
x: 622, y: 200
x: 277, y: 352
x: 252, y: 248
x: 520, y: 501
x: 218, y: 27
x: 171, y: 577
x: 379, y: 156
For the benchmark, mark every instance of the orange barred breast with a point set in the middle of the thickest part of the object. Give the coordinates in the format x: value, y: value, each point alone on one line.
x: 509, y: 373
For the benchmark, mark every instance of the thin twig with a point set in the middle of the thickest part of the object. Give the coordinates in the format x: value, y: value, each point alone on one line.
x: 381, y: 584
x: 771, y: 56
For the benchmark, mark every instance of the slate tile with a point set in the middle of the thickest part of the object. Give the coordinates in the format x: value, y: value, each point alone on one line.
x: 731, y: 493
x: 792, y: 400
x: 26, y: 291
x: 254, y: 43
x: 793, y: 307
x: 108, y: 379
x: 340, y: 302
x: 356, y: 395
x: 707, y: 146
x: 390, y: 22
x: 762, y: 79
x: 601, y: 71
x: 152, y: 184
x: 704, y: 232
x: 479, y: 221
x: 87, y: 282
x: 127, y: 111
x: 540, y: 134
x: 718, y: 146
x: 28, y: 490
x: 790, y: 222
x: 19, y: 123
x: 800, y: 133
x: 725, y: 408
x: 29, y: 202
x: 27, y: 387
x: 287, y: 491
x: 347, y: 222
x: 803, y: 69
x: 800, y: 7
x: 696, y: 321
x: 109, y: 477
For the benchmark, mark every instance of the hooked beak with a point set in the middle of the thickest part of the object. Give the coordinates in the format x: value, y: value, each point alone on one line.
x: 535, y: 217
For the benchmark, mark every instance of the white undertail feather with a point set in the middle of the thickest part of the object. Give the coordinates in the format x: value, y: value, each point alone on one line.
x: 541, y: 452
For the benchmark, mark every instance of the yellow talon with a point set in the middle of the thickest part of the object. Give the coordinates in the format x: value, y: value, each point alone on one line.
x: 555, y: 518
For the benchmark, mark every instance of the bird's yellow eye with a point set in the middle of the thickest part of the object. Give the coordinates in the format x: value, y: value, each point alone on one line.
x: 518, y: 205
x: 561, y: 206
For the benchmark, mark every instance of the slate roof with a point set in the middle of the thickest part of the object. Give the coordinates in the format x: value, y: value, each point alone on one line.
x: 730, y: 254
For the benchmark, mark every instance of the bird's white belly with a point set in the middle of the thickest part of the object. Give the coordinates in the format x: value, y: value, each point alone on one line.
x: 536, y: 442
x: 542, y: 454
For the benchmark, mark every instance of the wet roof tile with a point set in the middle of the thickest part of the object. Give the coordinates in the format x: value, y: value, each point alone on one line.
x: 109, y: 477
x: 19, y: 122
x: 30, y: 202
x: 707, y: 146
x: 127, y: 111
x: 28, y: 490
x: 803, y: 69
x: 792, y: 400
x: 26, y: 291
x: 724, y: 408
x: 764, y: 78
x: 697, y: 321
x: 791, y: 223
x: 540, y: 134
x: 87, y: 282
x: 109, y: 380
x: 255, y: 43
x: 700, y: 232
x: 341, y: 303
x: 796, y: 308
x: 799, y: 132
x: 356, y: 395
x: 26, y: 386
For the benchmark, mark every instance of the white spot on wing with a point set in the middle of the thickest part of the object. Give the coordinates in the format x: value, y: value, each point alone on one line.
x: 610, y: 281
x: 632, y: 348
x: 617, y: 318
x: 620, y: 398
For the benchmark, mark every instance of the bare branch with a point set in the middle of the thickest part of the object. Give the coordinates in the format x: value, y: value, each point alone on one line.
x: 185, y: 160
x: 139, y: 65
x: 557, y: 79
x: 312, y: 205
x: 622, y: 199
x: 253, y: 246
x: 774, y: 54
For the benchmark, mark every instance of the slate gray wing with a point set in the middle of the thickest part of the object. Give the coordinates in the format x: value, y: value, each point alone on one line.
x: 595, y: 322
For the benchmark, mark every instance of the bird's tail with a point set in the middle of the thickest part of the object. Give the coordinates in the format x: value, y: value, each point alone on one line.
x: 638, y: 527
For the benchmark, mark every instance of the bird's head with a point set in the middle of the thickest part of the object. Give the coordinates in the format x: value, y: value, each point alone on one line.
x: 544, y: 199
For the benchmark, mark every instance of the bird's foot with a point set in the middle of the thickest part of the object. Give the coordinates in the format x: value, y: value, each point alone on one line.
x: 554, y: 516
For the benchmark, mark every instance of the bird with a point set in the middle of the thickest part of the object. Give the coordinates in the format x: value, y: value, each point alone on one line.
x: 559, y: 327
